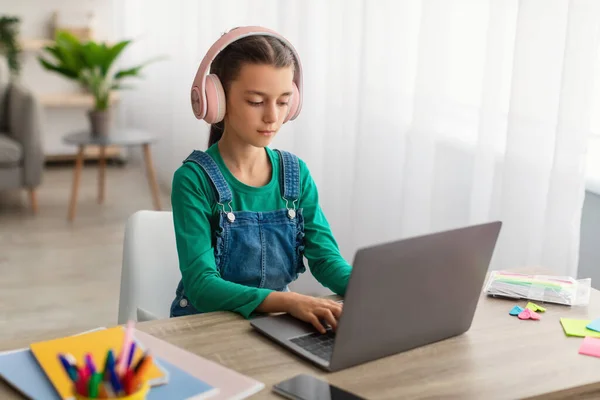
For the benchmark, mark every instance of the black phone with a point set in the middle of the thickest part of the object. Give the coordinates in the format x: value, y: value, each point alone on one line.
x: 306, y: 387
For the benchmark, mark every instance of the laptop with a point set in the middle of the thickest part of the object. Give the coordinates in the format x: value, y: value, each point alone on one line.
x: 401, y: 295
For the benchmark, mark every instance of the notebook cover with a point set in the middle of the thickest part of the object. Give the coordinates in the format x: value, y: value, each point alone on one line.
x: 97, y: 343
x: 231, y: 384
x: 181, y: 386
x: 20, y: 370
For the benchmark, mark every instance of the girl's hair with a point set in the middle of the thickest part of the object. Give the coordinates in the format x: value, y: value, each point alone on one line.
x: 258, y: 49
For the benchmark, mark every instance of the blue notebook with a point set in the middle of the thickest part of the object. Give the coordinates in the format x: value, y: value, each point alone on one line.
x: 181, y: 386
x: 20, y: 369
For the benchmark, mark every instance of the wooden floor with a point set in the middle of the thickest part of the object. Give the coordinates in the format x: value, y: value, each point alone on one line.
x: 55, y: 274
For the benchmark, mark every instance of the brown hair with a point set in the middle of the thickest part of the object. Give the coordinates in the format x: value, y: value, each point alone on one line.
x: 258, y: 49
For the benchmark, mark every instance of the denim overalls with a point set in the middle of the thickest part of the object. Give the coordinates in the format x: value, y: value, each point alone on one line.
x: 256, y: 249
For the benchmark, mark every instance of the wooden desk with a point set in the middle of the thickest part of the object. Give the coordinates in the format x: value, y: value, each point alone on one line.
x: 500, y: 357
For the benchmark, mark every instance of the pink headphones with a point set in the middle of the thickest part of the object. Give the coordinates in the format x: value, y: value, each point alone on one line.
x: 208, y: 96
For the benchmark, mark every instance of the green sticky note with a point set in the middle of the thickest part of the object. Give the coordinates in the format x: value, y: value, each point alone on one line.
x: 535, y: 307
x: 577, y: 327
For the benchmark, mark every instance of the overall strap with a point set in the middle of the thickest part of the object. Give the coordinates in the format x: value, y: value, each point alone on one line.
x: 290, y: 171
x: 214, y: 173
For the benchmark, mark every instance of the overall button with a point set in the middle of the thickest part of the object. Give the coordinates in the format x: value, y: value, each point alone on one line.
x: 183, y: 303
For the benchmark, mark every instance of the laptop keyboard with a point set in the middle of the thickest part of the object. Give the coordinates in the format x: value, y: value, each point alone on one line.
x: 321, y: 345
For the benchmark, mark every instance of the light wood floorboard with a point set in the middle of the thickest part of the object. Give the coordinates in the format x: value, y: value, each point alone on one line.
x: 55, y: 274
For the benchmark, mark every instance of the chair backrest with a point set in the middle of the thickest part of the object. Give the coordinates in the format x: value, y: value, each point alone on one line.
x: 150, y: 271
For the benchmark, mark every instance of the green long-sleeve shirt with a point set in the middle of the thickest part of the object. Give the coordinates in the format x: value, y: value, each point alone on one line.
x: 196, y: 218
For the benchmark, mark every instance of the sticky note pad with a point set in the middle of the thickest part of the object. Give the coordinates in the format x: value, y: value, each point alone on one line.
x: 594, y: 325
x: 577, y: 327
x: 516, y: 310
x: 534, y: 307
x: 590, y: 347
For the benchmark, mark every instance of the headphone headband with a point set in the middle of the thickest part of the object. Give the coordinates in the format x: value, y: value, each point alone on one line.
x: 199, y: 101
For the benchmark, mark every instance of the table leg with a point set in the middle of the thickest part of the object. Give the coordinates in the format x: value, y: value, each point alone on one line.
x: 33, y: 200
x: 101, y: 174
x: 151, y: 176
x: 76, y: 179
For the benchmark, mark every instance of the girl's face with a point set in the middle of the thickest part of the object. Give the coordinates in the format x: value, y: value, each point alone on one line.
x: 258, y: 102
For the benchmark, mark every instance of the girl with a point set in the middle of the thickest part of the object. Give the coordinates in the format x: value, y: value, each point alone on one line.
x: 245, y: 216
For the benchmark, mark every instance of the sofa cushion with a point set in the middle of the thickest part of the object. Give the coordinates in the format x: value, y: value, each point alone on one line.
x: 10, y: 151
x: 4, y: 87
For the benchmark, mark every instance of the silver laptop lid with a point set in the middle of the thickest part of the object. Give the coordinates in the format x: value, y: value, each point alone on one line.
x: 412, y: 292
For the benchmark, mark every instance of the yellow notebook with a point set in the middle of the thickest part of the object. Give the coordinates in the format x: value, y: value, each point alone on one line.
x: 97, y: 344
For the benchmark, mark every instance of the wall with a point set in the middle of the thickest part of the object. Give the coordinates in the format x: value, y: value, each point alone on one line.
x: 35, y: 24
x: 439, y: 186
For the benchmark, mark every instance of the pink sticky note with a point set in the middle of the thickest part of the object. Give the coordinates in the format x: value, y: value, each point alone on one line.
x: 533, y: 315
x: 528, y: 314
x: 525, y: 314
x: 590, y: 347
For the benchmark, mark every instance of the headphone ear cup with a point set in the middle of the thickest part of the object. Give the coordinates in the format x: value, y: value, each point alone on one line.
x: 294, y: 103
x: 215, y: 100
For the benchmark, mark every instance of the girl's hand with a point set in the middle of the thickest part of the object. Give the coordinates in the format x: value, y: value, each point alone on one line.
x: 314, y: 310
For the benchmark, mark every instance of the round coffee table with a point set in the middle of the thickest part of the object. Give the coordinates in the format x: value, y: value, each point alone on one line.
x: 119, y: 137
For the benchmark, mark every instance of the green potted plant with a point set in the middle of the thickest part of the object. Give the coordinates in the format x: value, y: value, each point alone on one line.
x: 9, y: 43
x: 91, y: 64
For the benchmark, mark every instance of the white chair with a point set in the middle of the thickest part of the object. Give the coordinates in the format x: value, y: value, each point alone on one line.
x: 150, y: 271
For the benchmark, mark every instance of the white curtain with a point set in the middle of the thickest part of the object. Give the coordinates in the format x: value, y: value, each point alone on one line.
x: 419, y: 116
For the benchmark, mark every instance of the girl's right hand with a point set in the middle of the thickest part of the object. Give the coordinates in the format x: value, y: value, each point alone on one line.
x: 314, y: 310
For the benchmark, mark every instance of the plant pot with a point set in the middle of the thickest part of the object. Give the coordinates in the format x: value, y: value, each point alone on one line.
x: 100, y: 122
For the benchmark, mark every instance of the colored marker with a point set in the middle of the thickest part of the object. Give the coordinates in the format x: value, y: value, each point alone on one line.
x: 110, y: 393
x: 131, y: 353
x: 69, y: 369
x: 110, y: 363
x: 127, y: 381
x: 114, y: 381
x: 125, y: 349
x: 102, y: 392
x: 140, y: 371
x: 81, y: 386
x: 140, y: 361
x: 93, y: 385
x: 71, y: 359
x: 89, y: 362
x: 142, y: 367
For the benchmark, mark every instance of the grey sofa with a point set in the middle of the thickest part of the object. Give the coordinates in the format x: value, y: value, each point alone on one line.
x: 21, y: 152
